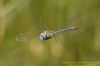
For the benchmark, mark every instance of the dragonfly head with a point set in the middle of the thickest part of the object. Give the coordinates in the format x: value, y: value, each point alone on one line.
x: 42, y: 36
x: 45, y: 35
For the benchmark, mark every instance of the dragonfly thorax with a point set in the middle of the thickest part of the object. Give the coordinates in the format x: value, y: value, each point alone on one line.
x: 46, y: 35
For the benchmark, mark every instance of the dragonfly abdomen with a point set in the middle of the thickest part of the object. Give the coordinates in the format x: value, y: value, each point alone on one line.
x: 65, y: 29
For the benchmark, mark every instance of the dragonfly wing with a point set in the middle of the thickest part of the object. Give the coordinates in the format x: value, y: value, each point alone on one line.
x: 24, y: 36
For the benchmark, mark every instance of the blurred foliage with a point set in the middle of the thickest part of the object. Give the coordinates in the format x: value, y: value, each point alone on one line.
x: 24, y: 16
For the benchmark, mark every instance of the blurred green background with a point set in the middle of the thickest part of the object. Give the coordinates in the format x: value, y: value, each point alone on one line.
x: 23, y: 16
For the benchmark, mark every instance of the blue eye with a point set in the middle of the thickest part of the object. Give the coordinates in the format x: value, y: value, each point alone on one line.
x: 42, y: 36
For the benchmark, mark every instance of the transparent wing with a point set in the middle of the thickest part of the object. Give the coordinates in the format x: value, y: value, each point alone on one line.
x: 72, y: 24
x: 43, y: 25
x: 31, y: 35
x: 25, y: 36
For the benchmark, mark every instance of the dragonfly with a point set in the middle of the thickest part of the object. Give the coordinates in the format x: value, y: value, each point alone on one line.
x: 45, y: 35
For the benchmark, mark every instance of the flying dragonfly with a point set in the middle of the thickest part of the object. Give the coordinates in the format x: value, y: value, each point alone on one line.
x: 45, y: 35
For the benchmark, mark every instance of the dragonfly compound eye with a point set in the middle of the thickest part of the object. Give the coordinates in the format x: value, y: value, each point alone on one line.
x: 43, y: 36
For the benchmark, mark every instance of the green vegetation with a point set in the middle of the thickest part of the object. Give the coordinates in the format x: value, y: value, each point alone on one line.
x: 24, y: 16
